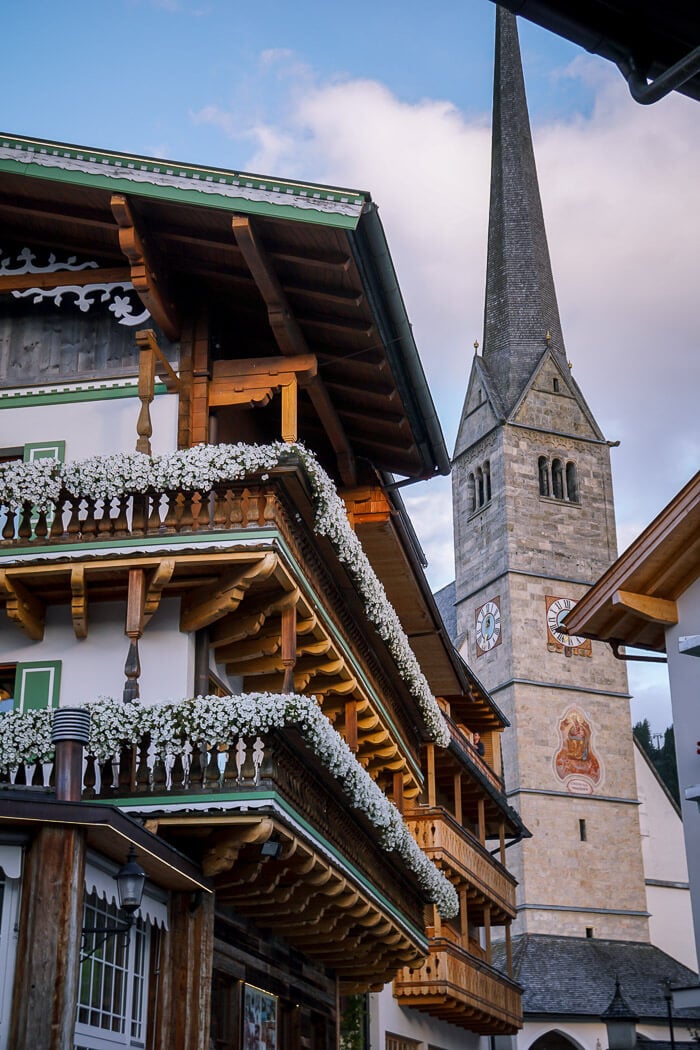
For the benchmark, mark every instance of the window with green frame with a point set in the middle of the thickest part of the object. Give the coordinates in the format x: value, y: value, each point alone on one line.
x: 30, y: 686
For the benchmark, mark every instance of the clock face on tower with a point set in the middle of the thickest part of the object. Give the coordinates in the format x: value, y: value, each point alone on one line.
x: 488, y: 626
x: 558, y: 638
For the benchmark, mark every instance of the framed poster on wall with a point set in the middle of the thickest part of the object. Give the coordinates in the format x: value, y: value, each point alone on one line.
x: 259, y: 1019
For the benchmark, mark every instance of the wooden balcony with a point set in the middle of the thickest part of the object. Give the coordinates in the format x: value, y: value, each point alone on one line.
x: 454, y: 986
x: 277, y: 837
x: 460, y: 854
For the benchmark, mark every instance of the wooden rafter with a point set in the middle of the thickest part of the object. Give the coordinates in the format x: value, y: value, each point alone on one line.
x: 251, y: 619
x: 209, y: 603
x: 147, y: 275
x: 291, y: 340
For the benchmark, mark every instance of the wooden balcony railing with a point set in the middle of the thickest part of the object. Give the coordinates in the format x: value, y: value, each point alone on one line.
x: 474, y: 757
x: 364, y: 926
x: 157, y: 512
x: 455, y: 849
x: 454, y: 986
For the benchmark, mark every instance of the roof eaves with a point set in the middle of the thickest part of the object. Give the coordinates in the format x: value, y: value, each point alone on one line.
x: 183, y: 183
x: 371, y: 252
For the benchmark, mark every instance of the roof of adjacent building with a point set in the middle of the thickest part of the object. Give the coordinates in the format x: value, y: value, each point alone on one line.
x: 575, y: 976
x: 634, y: 601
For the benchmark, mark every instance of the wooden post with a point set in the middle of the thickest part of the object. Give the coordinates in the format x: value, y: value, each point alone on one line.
x: 398, y: 791
x: 134, y: 629
x: 458, y: 797
x: 289, y: 647
x: 502, y: 841
x: 487, y: 932
x: 430, y: 754
x: 464, y: 917
x: 351, y: 724
x: 48, y: 951
x: 199, y: 421
x: 183, y: 1003
x: 289, y: 410
x: 509, y: 951
x: 482, y: 821
x: 146, y: 392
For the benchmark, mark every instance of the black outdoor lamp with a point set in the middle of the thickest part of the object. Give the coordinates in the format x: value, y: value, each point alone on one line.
x: 130, y: 880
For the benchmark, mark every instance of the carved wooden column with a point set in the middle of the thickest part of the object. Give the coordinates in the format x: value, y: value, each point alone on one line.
x: 48, y: 951
x: 183, y: 1005
x: 482, y: 821
x: 430, y: 756
x: 134, y: 629
x: 146, y: 392
x: 289, y: 647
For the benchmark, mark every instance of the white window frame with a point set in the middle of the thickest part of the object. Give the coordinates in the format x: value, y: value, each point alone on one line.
x: 10, y: 892
x: 134, y: 1005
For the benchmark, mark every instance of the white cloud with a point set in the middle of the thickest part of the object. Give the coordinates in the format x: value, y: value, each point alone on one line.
x: 620, y: 196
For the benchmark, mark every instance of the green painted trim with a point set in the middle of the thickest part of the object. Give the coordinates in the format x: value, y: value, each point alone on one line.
x: 51, y: 450
x: 40, y: 692
x: 173, y: 169
x: 275, y: 799
x: 166, y: 539
x: 65, y: 397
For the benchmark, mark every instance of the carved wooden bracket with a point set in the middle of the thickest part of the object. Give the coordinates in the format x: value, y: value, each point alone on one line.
x: 79, y: 601
x: 255, y: 380
x: 148, y: 279
x: 23, y: 607
x: 210, y: 603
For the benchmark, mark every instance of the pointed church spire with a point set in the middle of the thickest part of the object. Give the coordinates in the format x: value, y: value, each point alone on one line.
x: 521, y: 317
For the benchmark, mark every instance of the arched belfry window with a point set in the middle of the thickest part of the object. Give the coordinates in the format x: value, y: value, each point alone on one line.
x: 471, y: 493
x: 557, y: 480
x: 479, y: 487
x: 571, y: 482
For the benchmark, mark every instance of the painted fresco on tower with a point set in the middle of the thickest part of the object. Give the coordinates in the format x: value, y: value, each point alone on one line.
x: 576, y: 763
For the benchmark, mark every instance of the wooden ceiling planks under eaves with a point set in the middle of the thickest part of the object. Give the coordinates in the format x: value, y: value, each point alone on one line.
x: 345, y: 310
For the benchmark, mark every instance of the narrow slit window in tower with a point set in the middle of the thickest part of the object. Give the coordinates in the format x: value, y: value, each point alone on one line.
x: 557, y: 479
x: 543, y: 471
x: 571, y: 482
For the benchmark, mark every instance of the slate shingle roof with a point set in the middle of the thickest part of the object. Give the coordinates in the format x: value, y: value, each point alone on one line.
x: 445, y: 601
x: 575, y: 976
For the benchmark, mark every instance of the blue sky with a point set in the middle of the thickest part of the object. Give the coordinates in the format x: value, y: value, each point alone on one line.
x: 381, y: 97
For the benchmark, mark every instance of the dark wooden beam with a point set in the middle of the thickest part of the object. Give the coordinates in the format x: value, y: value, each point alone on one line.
x: 291, y: 340
x: 147, y: 274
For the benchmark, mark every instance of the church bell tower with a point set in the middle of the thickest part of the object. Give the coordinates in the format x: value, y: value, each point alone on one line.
x: 534, y: 528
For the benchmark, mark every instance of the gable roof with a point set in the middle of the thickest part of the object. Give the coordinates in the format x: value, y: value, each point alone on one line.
x: 311, y: 263
x: 575, y: 976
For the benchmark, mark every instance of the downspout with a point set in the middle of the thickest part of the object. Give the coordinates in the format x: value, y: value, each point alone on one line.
x: 673, y: 78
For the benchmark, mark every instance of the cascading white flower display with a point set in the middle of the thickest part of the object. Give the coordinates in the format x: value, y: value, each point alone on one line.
x: 25, y: 737
x: 199, y: 469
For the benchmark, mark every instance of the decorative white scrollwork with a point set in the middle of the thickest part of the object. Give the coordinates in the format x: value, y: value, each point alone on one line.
x: 84, y: 296
x: 27, y: 264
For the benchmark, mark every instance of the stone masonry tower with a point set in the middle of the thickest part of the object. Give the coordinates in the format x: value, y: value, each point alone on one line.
x: 534, y: 527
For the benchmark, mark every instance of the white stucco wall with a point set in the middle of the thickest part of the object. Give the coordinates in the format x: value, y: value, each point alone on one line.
x: 94, y: 666
x: 90, y: 428
x: 387, y: 1016
x: 663, y: 854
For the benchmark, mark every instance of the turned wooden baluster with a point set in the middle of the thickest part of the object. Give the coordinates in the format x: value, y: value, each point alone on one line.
x: 8, y: 529
x: 154, y: 524
x: 139, y: 513
x: 170, y: 521
x: 104, y: 525
x: 56, y: 531
x: 186, y: 518
x: 25, y: 522
x: 89, y: 526
x: 41, y: 528
x: 121, y: 525
x: 136, y: 599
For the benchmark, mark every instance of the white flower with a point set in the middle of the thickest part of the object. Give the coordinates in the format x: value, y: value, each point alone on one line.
x: 201, y: 468
x: 25, y: 736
